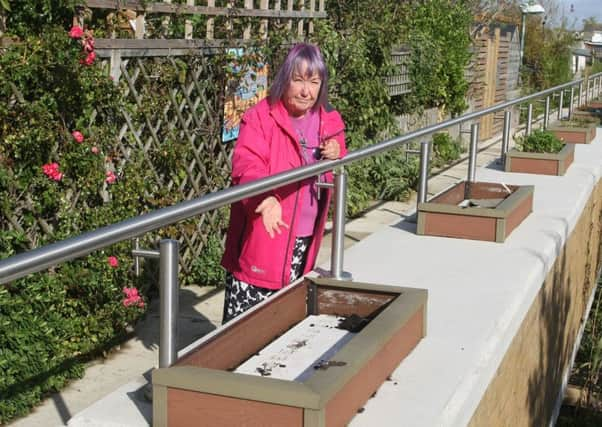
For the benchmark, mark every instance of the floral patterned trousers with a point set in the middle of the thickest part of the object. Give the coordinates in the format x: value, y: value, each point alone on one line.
x: 241, y: 296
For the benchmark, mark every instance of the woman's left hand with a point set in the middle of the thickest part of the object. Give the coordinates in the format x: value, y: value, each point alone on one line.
x: 330, y: 149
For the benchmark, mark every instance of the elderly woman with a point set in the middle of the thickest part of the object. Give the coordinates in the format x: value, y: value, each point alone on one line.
x: 273, y: 238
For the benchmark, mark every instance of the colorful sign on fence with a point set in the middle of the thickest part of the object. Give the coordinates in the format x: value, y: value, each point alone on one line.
x: 252, y: 88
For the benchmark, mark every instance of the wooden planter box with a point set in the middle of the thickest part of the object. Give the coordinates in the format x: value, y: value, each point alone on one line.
x: 540, y: 163
x: 202, y: 386
x: 588, y: 114
x: 444, y: 216
x: 595, y: 104
x: 574, y: 135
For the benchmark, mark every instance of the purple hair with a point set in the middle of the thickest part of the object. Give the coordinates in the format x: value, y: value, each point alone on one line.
x: 300, y: 53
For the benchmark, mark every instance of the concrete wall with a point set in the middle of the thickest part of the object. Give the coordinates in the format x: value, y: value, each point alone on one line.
x: 524, y: 391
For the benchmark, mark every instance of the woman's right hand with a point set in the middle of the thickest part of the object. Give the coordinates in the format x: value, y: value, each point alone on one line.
x: 271, y: 215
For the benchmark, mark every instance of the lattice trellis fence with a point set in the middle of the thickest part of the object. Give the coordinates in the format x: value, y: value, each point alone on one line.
x: 188, y: 112
x: 176, y: 94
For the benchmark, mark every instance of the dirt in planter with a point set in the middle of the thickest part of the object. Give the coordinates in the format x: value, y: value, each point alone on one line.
x: 353, y: 323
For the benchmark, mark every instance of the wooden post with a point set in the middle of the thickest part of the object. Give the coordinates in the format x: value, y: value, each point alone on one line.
x: 166, y: 22
x: 277, y: 6
x: 115, y: 65
x: 263, y: 27
x: 210, y: 21
x: 140, y: 26
x: 247, y: 33
x: 188, y: 23
x: 300, y: 24
x: 229, y: 25
x: 289, y: 7
x: 312, y: 8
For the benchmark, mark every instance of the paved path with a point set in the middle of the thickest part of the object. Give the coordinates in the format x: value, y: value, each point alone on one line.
x: 200, y: 313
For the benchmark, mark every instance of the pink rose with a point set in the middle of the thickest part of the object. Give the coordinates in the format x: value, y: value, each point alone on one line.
x: 88, y: 44
x: 111, y: 178
x: 90, y: 58
x: 78, y: 136
x: 132, y: 298
x: 51, y: 170
x: 94, y: 150
x: 113, y: 262
x: 76, y: 32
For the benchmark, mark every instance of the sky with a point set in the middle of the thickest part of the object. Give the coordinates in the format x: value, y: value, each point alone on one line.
x: 581, y: 9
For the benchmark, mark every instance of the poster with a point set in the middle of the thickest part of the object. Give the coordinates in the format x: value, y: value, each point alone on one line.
x: 252, y: 88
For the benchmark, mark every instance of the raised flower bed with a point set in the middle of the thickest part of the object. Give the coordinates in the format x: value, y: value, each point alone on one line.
x: 221, y: 380
x: 576, y: 131
x: 587, y: 113
x: 478, y: 210
x: 595, y: 104
x: 540, y: 153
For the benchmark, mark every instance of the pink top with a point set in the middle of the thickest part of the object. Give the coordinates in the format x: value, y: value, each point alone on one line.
x: 307, y: 128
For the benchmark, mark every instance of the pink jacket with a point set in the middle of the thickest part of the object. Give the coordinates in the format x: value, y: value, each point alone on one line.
x: 267, y: 145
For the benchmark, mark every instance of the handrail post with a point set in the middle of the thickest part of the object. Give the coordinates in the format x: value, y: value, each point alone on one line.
x: 561, y: 105
x: 546, y: 115
x: 424, y: 172
x: 338, y: 226
x: 571, y: 102
x: 580, y: 99
x: 529, y: 119
x: 506, y: 135
x: 168, y: 295
x: 472, y: 156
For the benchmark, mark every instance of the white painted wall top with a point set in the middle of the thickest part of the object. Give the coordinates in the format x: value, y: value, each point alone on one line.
x: 475, y: 305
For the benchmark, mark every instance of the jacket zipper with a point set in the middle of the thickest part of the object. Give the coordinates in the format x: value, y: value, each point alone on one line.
x: 290, y: 231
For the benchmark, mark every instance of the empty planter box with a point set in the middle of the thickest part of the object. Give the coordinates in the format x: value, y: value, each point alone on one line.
x: 540, y: 163
x: 478, y: 210
x: 311, y: 355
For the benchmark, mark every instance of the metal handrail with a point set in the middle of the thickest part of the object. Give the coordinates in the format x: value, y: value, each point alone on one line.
x: 35, y: 260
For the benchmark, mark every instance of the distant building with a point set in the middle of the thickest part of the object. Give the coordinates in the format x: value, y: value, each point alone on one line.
x: 593, y: 42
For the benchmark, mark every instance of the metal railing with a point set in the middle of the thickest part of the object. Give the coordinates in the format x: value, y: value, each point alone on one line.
x: 41, y: 258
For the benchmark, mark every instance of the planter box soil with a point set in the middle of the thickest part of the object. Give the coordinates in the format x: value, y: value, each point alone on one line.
x: 462, y: 211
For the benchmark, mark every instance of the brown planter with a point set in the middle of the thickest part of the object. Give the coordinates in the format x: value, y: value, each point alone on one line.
x: 201, y: 385
x: 595, y: 104
x: 443, y: 215
x: 574, y: 135
x: 540, y: 163
x: 588, y: 114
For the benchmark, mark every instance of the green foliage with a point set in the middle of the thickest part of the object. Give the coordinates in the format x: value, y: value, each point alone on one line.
x: 32, y: 17
x: 539, y: 141
x: 595, y: 68
x: 547, y: 56
x: 445, y: 149
x: 52, y: 323
x: 437, y: 33
x: 358, y: 54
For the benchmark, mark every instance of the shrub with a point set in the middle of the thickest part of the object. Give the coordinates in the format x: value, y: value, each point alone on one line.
x: 445, y: 149
x: 539, y: 141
